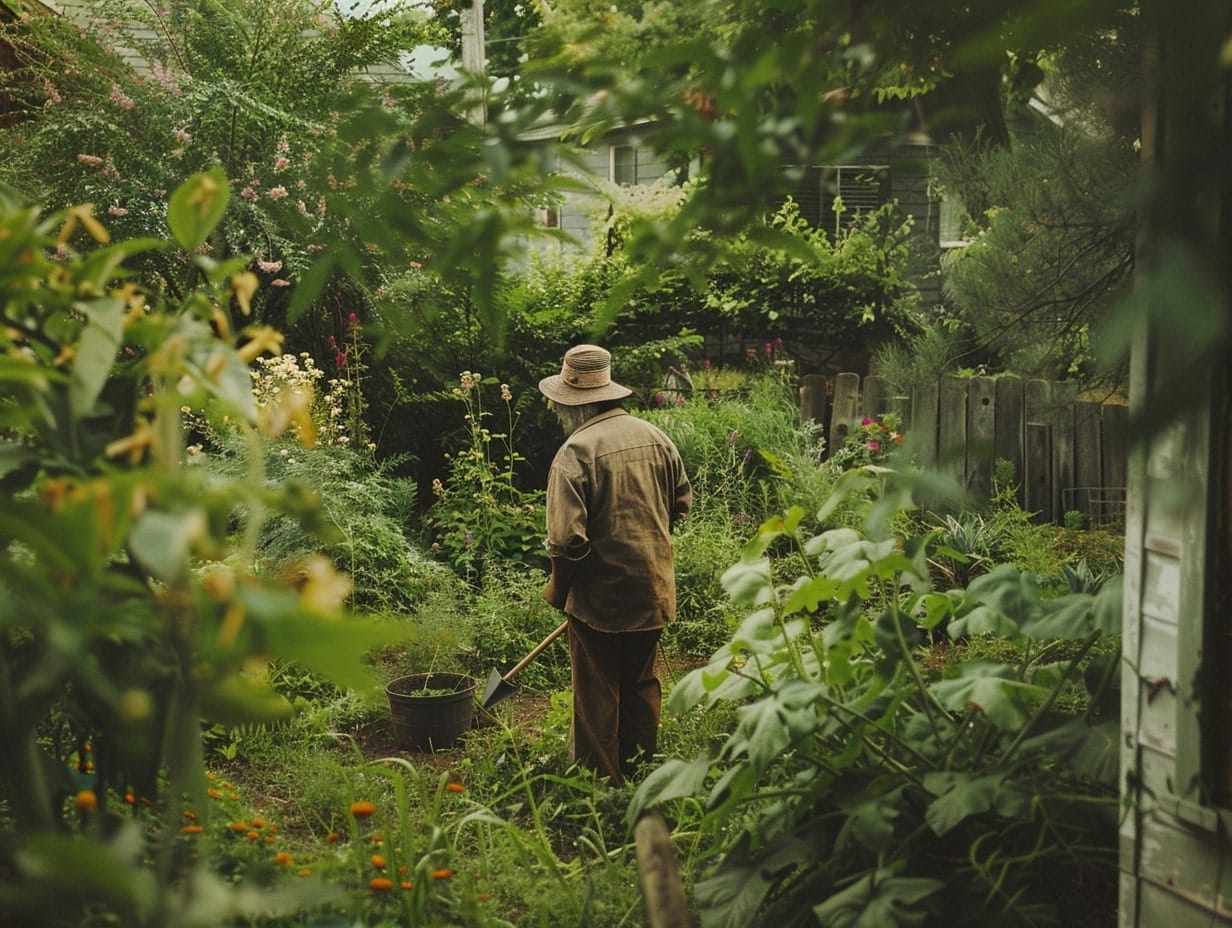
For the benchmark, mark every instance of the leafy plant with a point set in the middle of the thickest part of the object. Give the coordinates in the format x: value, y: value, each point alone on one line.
x: 481, y: 515
x: 857, y: 788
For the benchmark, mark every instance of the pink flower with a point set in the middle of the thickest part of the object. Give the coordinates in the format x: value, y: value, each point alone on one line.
x: 866, y: 421
x: 280, y: 282
x: 269, y: 267
x: 874, y: 446
x: 248, y: 194
x: 331, y: 342
x: 705, y: 364
x: 341, y: 359
x: 281, y: 163
x: 120, y: 98
x: 116, y: 211
x: 277, y: 193
x: 90, y: 161
x: 183, y: 136
x: 353, y: 319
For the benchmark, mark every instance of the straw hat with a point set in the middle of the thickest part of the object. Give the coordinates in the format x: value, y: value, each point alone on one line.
x: 585, y: 377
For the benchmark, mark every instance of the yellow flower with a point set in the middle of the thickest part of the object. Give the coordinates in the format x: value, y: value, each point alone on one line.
x: 243, y: 286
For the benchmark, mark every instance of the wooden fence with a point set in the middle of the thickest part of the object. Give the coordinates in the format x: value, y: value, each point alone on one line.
x: 1066, y: 455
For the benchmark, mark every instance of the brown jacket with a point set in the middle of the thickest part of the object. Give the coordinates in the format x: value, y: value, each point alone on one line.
x: 616, y: 487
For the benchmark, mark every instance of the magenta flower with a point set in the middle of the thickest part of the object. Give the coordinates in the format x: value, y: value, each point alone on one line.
x: 874, y: 446
x: 705, y: 364
x: 341, y: 359
x: 866, y: 421
x: 353, y: 319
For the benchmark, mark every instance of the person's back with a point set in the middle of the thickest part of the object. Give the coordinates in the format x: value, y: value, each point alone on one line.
x: 615, y: 489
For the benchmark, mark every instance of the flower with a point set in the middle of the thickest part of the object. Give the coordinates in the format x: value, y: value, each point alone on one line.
x: 381, y: 884
x: 866, y: 421
x: 191, y: 830
x: 443, y: 873
x: 283, y: 859
x: 362, y: 809
x: 874, y: 446
x: 378, y: 861
x: 455, y: 788
x: 90, y: 161
x: 269, y: 267
x: 277, y: 193
x: 86, y: 800
x: 407, y: 885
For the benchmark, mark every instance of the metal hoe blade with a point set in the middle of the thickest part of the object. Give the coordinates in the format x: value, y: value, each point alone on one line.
x: 501, y: 686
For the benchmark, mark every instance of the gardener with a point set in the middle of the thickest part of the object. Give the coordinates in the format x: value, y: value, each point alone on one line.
x: 615, y: 489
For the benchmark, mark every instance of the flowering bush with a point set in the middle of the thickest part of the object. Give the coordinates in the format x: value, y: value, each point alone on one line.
x: 875, y: 442
x: 481, y: 515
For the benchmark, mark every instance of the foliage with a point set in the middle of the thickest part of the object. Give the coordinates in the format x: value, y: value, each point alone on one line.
x: 126, y: 613
x: 481, y: 515
x: 254, y: 88
x: 1052, y: 250
x: 857, y: 787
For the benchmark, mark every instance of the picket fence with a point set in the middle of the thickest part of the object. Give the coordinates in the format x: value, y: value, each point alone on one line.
x: 1067, y: 455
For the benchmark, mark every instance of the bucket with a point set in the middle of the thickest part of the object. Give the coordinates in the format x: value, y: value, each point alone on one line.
x: 431, y: 711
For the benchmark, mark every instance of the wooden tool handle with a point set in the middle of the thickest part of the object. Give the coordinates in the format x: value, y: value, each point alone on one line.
x: 536, y: 651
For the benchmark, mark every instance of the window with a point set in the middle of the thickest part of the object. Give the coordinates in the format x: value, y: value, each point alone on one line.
x: 831, y: 197
x: 624, y: 165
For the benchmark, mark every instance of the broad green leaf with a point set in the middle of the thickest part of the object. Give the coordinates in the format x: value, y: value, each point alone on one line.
x: 982, y: 620
x: 870, y: 821
x: 1090, y: 750
x: 96, y: 351
x: 162, y: 541
x: 878, y: 900
x: 748, y: 582
x: 1067, y: 617
x: 1108, y: 605
x: 335, y: 648
x: 981, y: 688
x: 1009, y: 591
x: 809, y: 594
x: 240, y: 698
x: 197, y: 206
x: 959, y: 794
x: 732, y: 897
x: 779, y: 719
x: 674, y: 779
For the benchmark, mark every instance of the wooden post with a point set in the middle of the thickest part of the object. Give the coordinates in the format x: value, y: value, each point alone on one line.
x: 846, y: 412
x: 813, y: 398
x: 981, y: 435
x: 1064, y: 395
x: 1088, y: 467
x: 1114, y: 459
x: 952, y: 428
x: 1009, y: 439
x: 876, y: 397
x: 662, y: 888
x: 1037, y: 479
x: 922, y: 437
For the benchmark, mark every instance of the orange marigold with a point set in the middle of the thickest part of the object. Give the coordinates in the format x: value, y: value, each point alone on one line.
x: 443, y: 873
x: 283, y: 859
x: 192, y: 830
x: 455, y: 787
x: 333, y: 837
x: 378, y: 861
x: 213, y: 793
x: 362, y: 809
x: 253, y: 836
x: 238, y: 826
x: 86, y: 800
x: 304, y: 871
x: 381, y: 884
x: 257, y: 823
x: 407, y: 885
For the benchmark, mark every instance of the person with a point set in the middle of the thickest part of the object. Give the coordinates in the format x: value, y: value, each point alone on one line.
x: 615, y: 489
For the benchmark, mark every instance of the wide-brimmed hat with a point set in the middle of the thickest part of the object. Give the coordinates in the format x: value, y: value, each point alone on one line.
x: 585, y: 377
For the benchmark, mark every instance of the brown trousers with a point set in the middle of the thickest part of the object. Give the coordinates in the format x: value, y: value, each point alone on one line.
x: 616, y: 699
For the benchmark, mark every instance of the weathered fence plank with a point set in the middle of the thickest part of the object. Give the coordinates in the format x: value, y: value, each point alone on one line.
x: 981, y: 434
x: 846, y: 412
x: 813, y: 398
x: 952, y: 427
x: 1062, y: 454
x: 1008, y: 442
x: 1064, y: 395
x: 923, y: 436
